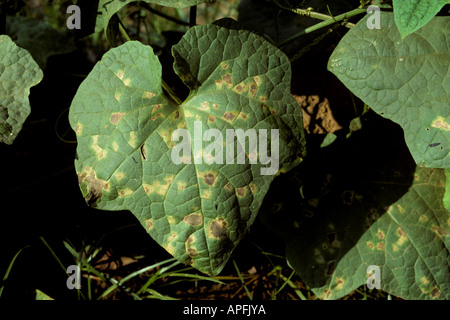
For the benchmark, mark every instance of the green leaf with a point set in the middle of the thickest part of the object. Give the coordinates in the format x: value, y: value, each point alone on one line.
x: 406, y: 81
x: 124, y: 124
x: 446, y: 199
x: 18, y: 73
x: 414, y: 14
x: 40, y: 39
x: 107, y: 8
x: 372, y: 207
x: 42, y: 296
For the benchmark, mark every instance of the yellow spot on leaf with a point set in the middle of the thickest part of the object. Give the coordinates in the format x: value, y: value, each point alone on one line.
x: 117, y: 96
x: 148, y: 94
x: 115, y: 146
x: 340, y: 282
x: 127, y: 81
x: 78, y: 128
x: 204, y: 106
x: 440, y: 123
x: 126, y: 192
x: 100, y: 152
x: 120, y: 74
x: 206, y: 194
x: 133, y: 139
x: 119, y: 176
x: 149, y: 224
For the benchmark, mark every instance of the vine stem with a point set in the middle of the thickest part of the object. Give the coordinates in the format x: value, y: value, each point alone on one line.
x: 329, y: 21
x: 170, y: 92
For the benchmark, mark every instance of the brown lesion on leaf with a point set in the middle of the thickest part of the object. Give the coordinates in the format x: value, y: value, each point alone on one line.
x: 381, y: 235
x: 380, y: 246
x: 400, y: 209
x: 228, y: 187
x: 204, y: 106
x: 215, y: 106
x: 193, y: 219
x: 149, y: 224
x: 224, y: 65
x: 176, y: 115
x: 218, y: 229
x: 435, y: 293
x: 147, y: 94
x: 99, y: 151
x: 230, y: 116
x: 210, y: 178
x: 156, y: 116
x: 192, y: 252
x: 243, y: 116
x: 440, y: 231
x: 440, y: 123
x: 327, y: 293
x: 78, y: 128
x: 370, y: 245
x: 340, y: 282
x: 116, y: 117
x: 228, y: 79
x: 211, y: 118
x: 156, y: 107
x: 95, y: 186
x: 125, y: 192
x: 241, y: 192
x: 253, y: 188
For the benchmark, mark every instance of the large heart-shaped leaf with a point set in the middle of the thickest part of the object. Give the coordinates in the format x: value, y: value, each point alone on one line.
x: 406, y: 81
x: 126, y: 129
x: 107, y: 8
x: 414, y: 14
x: 364, y: 204
x: 18, y: 73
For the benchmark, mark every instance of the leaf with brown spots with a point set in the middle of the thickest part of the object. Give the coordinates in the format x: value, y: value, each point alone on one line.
x: 18, y: 73
x: 199, y: 207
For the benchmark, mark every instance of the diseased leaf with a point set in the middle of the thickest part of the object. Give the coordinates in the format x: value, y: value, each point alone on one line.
x: 414, y: 14
x: 18, y: 73
x: 372, y: 207
x: 107, y: 8
x: 406, y: 81
x: 125, y: 127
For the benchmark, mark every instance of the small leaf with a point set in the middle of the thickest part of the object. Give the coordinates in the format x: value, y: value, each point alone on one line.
x: 107, y: 8
x: 198, y: 207
x: 406, y: 81
x: 413, y: 14
x: 18, y: 72
x: 40, y: 39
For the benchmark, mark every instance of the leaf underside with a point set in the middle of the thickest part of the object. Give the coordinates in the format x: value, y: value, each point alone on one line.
x: 406, y: 81
x: 124, y: 123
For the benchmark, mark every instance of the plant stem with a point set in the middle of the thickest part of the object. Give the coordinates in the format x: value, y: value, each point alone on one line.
x: 170, y: 92
x: 123, y: 31
x: 330, y: 20
x: 192, y: 16
x: 2, y: 16
x: 163, y: 15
